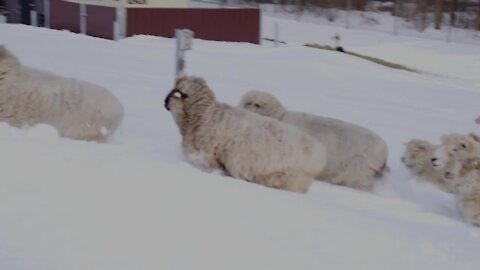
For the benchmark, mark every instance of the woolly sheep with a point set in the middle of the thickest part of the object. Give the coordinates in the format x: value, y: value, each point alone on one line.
x: 355, y: 155
x: 454, y: 147
x: 77, y: 109
x: 245, y: 145
x: 464, y: 179
x: 418, y: 158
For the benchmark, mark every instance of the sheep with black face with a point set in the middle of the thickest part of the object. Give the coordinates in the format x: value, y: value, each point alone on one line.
x: 245, y: 145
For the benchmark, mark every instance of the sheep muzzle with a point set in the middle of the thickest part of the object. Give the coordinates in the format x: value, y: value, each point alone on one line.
x: 176, y: 94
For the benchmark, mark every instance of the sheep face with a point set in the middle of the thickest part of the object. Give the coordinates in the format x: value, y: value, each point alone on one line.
x: 469, y: 166
x: 417, y: 153
x: 262, y: 103
x: 454, y: 148
x: 464, y: 173
x: 189, y: 92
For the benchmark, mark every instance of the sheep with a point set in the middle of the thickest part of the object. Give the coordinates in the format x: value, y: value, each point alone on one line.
x: 455, y: 147
x: 418, y: 158
x: 355, y: 155
x: 77, y: 109
x: 464, y: 179
x: 242, y: 144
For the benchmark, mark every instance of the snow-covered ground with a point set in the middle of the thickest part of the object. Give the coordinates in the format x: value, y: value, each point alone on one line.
x: 377, y: 21
x: 453, y: 60
x: 135, y: 203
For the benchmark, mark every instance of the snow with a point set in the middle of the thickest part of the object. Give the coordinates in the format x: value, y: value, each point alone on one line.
x: 459, y: 59
x: 136, y: 203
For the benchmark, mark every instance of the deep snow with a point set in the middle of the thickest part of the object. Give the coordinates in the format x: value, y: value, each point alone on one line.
x: 135, y: 203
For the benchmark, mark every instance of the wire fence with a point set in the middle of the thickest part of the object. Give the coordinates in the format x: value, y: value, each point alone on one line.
x: 448, y: 20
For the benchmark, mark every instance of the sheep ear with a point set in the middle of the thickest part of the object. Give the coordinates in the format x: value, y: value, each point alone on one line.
x: 422, y: 146
x: 201, y: 80
x: 180, y: 78
x: 474, y: 136
x: 476, y: 164
x: 443, y: 138
x: 477, y: 120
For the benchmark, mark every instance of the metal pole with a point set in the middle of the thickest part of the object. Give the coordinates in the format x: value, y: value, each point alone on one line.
x: 83, y: 19
x: 395, y: 19
x: 449, y: 33
x: 179, y: 61
x: 46, y: 11
x: 120, y: 23
x: 349, y: 8
x: 33, y: 18
x: 275, y: 34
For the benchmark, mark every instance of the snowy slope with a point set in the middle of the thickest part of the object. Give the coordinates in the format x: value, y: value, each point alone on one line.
x: 135, y: 203
x: 460, y: 61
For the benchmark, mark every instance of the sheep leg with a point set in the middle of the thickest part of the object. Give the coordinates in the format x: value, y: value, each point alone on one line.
x: 471, y: 210
x: 296, y: 182
x: 357, y: 174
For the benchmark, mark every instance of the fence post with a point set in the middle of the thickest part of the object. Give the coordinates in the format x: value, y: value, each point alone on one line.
x: 349, y: 9
x: 33, y: 18
x: 396, y: 17
x: 120, y: 23
x: 184, y: 39
x: 46, y: 12
x: 83, y: 19
x: 449, y: 33
x: 275, y: 34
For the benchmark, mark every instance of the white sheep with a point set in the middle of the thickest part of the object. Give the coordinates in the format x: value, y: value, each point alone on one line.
x: 77, y: 109
x: 245, y: 145
x: 464, y: 180
x: 355, y: 155
x: 454, y: 148
x: 418, y: 158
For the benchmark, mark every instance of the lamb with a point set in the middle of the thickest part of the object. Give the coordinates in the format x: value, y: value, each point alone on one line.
x: 242, y: 144
x: 418, y: 158
x: 455, y: 147
x: 355, y: 155
x: 77, y: 109
x: 464, y: 179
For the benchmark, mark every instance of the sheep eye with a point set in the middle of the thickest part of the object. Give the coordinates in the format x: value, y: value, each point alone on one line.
x: 179, y: 94
x: 257, y: 105
x: 463, y: 146
x: 476, y: 164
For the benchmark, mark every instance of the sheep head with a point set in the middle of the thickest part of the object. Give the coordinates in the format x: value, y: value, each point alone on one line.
x: 455, y: 147
x: 262, y: 103
x: 417, y: 152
